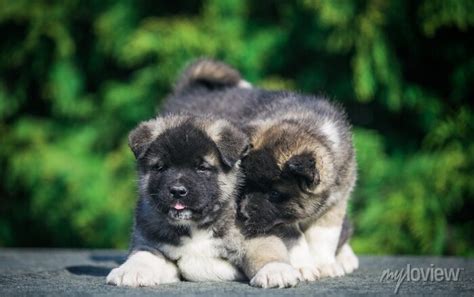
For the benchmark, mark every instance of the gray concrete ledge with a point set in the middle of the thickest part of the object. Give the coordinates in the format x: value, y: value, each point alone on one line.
x: 60, y: 272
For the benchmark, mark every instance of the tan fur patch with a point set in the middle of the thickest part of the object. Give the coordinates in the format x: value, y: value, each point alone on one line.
x: 212, y: 160
x: 293, y: 140
x: 228, y: 181
x: 214, y: 129
x: 263, y: 250
x: 159, y: 125
x: 214, y: 70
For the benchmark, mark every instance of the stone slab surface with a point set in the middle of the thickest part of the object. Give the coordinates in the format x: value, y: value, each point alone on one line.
x: 60, y: 272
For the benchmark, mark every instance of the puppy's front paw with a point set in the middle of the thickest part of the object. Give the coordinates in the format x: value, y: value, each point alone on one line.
x: 143, y: 269
x: 347, y: 259
x: 332, y: 269
x: 308, y: 273
x: 276, y: 275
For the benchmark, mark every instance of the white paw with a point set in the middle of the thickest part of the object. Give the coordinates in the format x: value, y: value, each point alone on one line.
x: 332, y: 269
x: 208, y: 269
x: 276, y: 275
x: 301, y: 259
x: 347, y: 259
x: 143, y: 269
x: 308, y: 273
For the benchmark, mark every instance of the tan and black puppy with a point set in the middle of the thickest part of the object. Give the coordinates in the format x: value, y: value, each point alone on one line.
x: 189, y: 176
x: 300, y: 171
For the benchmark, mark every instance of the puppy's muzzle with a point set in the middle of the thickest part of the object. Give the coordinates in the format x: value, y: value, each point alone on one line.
x: 178, y: 191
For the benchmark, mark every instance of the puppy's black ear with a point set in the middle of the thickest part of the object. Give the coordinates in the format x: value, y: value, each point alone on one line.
x: 231, y: 142
x: 302, y: 167
x: 139, y: 139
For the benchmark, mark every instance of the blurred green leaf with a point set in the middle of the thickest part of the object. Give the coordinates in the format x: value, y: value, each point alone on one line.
x: 77, y: 76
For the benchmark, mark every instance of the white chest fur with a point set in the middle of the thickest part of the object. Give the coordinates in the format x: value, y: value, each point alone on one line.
x: 201, y: 243
x: 200, y: 258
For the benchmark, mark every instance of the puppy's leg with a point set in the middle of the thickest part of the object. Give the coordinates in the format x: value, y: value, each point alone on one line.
x: 201, y: 269
x: 301, y: 258
x: 347, y: 259
x: 323, y: 236
x: 267, y: 265
x: 142, y: 269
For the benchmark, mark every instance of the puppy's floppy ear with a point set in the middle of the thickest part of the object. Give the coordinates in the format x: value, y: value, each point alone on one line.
x: 302, y: 167
x: 231, y: 142
x: 140, y: 138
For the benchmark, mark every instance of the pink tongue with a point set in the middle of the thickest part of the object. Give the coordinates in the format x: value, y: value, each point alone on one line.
x: 179, y: 206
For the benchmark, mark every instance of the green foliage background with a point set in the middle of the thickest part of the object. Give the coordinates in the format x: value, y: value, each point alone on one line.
x: 76, y: 76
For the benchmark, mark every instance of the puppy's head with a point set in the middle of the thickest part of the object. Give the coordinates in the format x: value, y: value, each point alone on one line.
x: 188, y: 166
x: 287, y: 171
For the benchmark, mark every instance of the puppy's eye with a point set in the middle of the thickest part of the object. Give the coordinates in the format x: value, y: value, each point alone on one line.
x: 276, y: 197
x: 159, y: 167
x: 204, y: 167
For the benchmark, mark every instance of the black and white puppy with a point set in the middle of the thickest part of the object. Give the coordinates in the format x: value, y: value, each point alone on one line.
x: 188, y: 178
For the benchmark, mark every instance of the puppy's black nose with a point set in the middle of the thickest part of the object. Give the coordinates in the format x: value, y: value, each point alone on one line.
x: 178, y: 191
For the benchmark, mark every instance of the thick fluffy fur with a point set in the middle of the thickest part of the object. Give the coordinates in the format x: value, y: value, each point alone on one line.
x: 300, y: 171
x: 189, y: 174
x: 188, y: 170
